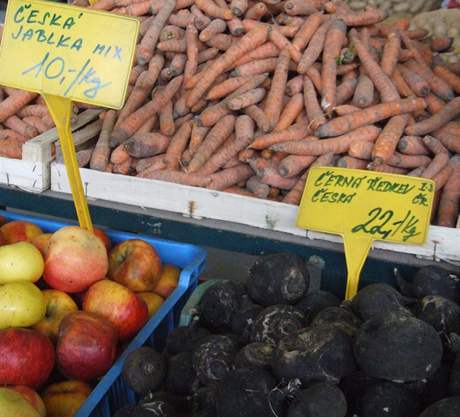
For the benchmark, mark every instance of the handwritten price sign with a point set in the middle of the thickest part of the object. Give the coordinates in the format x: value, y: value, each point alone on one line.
x: 363, y: 206
x: 80, y: 54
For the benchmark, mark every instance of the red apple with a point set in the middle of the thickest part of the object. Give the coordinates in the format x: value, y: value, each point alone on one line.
x: 119, y: 305
x: 26, y: 357
x: 63, y: 399
x: 32, y: 397
x: 19, y: 230
x: 168, y: 281
x: 41, y: 242
x: 105, y: 239
x: 86, y: 346
x: 136, y: 265
x: 76, y: 259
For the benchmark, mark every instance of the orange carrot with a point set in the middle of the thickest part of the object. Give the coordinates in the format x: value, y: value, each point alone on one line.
x: 386, y: 168
x: 216, y: 26
x: 101, y: 154
x: 412, y: 145
x: 293, y: 165
x: 290, y: 112
x: 146, y: 144
x: 37, y: 123
x: 226, y: 87
x: 246, y: 155
x: 24, y: 129
x: 259, y: 66
x: 176, y: 177
x: 239, y: 7
x: 336, y: 145
x: 171, y: 32
x: 212, y: 10
x: 246, y: 99
x: 448, y: 137
x: 119, y: 155
x: 386, y: 143
x: 235, y: 26
x: 135, y: 72
x: 281, y: 42
x: 299, y: 8
x: 256, y: 11
x: 11, y: 105
x: 221, y: 41
x: 335, y: 38
x: 181, y: 18
x: 181, y: 120
x: 390, y: 55
x: 346, y: 88
x: 11, y: 148
x: 191, y: 36
x: 445, y: 115
x: 38, y: 110
x: 366, y: 17
x: 350, y: 162
x: 239, y: 191
x: 408, y: 161
x: 441, y: 156
x: 314, y: 48
x: 364, y: 92
x: 417, y: 84
x: 373, y: 114
x: 434, y: 103
x: 254, y: 185
x: 403, y: 88
x: 294, y: 85
x: 259, y: 117
x: 326, y: 160
x: 150, y: 39
x: 312, y: 107
x: 448, y: 76
x: 267, y: 50
x: 167, y: 126
x: 11, y: 134
x: 173, y: 45
x: 216, y: 136
x: 176, y: 67
x: 416, y: 172
x: 207, y: 55
x: 230, y: 176
x: 441, y: 178
x: 249, y: 41
x: 450, y: 197
x: 200, y: 19
x: 361, y: 150
x: 295, y: 132
x: 307, y: 30
x: 295, y: 194
x: 177, y: 146
x: 344, y: 109
x: 274, y: 100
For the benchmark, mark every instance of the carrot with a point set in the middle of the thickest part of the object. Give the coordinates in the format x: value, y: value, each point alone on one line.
x: 281, y: 42
x: 183, y: 4
x: 150, y: 39
x: 286, y: 20
x: 408, y: 161
x: 146, y: 144
x: 207, y: 55
x: 11, y: 134
x: 24, y: 129
x: 173, y: 45
x: 347, y: 87
x: 171, y: 32
x: 293, y: 165
x: 380, y: 80
x: 326, y: 160
x: 307, y: 30
x: 37, y: 110
x: 239, y: 191
x: 390, y: 55
x: 212, y: 10
x: 441, y: 178
x: 135, y: 72
x: 386, y: 168
x: 84, y: 156
x: 200, y: 19
x: 441, y: 44
x: 159, y: 99
x: 441, y: 157
x: 337, y: 7
x: 181, y: 19
x: 448, y: 76
x: 119, y: 155
x: 246, y: 155
x: 336, y: 145
x: 181, y: 120
x: 361, y: 150
x: 216, y: 136
x: 267, y: 50
x: 294, y: 85
x: 230, y: 176
x: 246, y: 99
x: 346, y: 68
x: 403, y: 88
x: 335, y: 38
x: 434, y: 103
x: 260, y: 190
x: 448, y: 139
x: 244, y: 134
x: 167, y: 126
x: 256, y: 11
x: 312, y: 107
x: 437, y: 120
x: 11, y: 148
x: 293, y: 133
x: 386, y: 143
x: 197, y: 136
x: 11, y: 105
x: 37, y: 123
x: 416, y: 172
x: 136, y: 9
x: 176, y: 67
x: 412, y: 145
x: 344, y: 109
x: 274, y: 100
x: 191, y: 36
x: 371, y: 115
x: 238, y: 7
x: 290, y: 112
x: 259, y: 66
x: 350, y: 162
x: 221, y: 41
x: 177, y: 146
x: 299, y: 8
x: 259, y: 117
x: 417, y: 84
x: 314, y: 49
x: 153, y: 163
x: 249, y: 41
x: 450, y: 197
x: 176, y: 177
x: 367, y: 17
x: 295, y: 194
x: 226, y: 87
x: 235, y: 26
x: 364, y: 92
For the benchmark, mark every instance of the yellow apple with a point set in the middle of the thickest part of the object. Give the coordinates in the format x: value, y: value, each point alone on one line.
x: 20, y: 261
x: 168, y: 280
x: 13, y: 404
x: 153, y: 301
x: 21, y: 305
x: 65, y: 398
x: 58, y: 305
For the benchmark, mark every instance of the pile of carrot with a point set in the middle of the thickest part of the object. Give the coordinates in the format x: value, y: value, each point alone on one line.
x: 245, y: 96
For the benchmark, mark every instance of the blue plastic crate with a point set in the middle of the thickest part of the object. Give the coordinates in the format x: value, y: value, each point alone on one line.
x: 111, y: 392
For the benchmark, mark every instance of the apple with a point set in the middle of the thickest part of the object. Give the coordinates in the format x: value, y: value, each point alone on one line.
x: 153, y: 301
x: 119, y: 305
x: 26, y: 357
x: 105, y: 239
x: 63, y: 399
x: 41, y: 242
x: 86, y: 346
x: 168, y: 280
x: 19, y: 230
x: 58, y: 305
x: 136, y: 265
x: 2, y: 220
x: 20, y: 261
x: 13, y: 404
x: 76, y: 259
x: 21, y: 305
x: 32, y: 397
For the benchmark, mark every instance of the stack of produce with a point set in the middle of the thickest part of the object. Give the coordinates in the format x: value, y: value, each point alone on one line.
x: 62, y: 322
x: 271, y: 348
x: 397, y: 7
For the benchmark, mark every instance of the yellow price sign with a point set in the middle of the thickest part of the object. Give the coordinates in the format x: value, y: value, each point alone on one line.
x: 363, y: 206
x: 68, y: 53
